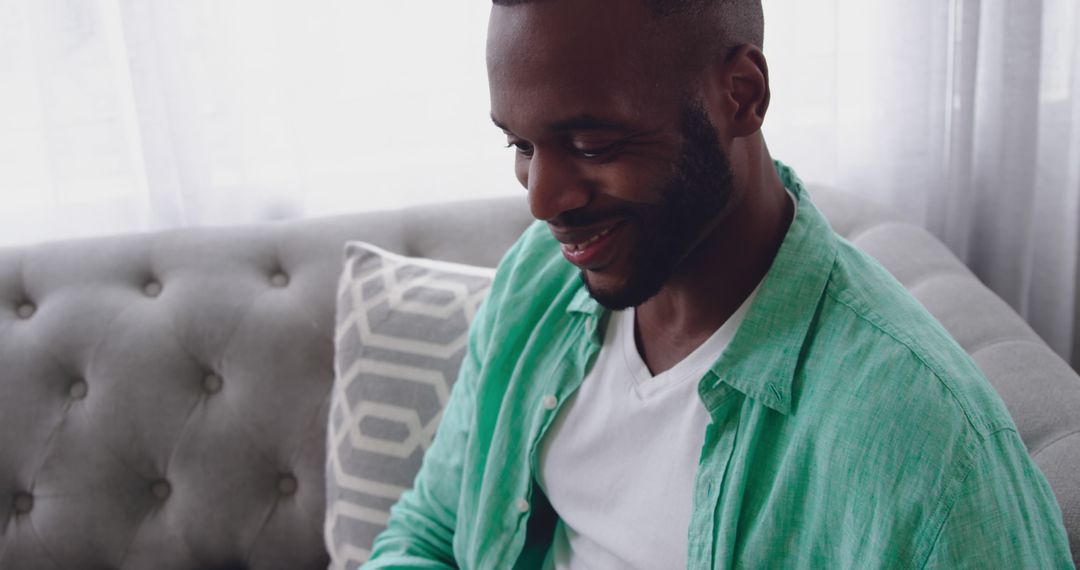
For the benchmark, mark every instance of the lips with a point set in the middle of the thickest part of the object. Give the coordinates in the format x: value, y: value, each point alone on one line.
x: 578, y: 247
x: 589, y: 249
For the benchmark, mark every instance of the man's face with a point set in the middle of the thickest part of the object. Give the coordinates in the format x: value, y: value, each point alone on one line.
x: 626, y: 169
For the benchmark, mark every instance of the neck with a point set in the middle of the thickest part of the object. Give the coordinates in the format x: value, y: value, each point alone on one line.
x: 724, y: 268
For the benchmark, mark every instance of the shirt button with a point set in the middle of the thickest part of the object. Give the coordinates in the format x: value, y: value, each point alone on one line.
x: 522, y: 505
x: 550, y: 402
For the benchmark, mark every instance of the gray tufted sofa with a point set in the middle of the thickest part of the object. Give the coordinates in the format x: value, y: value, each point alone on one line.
x: 163, y: 397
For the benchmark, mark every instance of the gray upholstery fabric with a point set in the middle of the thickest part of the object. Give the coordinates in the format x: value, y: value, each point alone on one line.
x: 164, y: 398
x: 401, y: 332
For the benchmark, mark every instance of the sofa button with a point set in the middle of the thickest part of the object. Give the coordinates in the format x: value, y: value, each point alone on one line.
x: 287, y: 485
x: 23, y: 503
x: 78, y: 390
x: 161, y: 489
x: 152, y: 289
x: 279, y: 280
x: 212, y: 383
x: 26, y: 310
x: 522, y: 506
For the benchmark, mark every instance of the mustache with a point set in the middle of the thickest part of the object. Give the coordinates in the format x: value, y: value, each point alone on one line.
x: 580, y: 218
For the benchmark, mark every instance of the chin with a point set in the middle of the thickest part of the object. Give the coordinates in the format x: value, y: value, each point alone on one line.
x: 617, y: 294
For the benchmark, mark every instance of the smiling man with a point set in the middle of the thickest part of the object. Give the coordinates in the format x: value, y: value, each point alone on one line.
x: 680, y: 364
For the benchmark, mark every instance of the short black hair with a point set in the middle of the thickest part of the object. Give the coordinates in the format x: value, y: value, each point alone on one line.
x: 657, y: 7
x: 737, y: 22
x: 662, y: 8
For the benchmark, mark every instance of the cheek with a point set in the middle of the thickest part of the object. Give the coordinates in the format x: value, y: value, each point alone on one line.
x: 636, y: 186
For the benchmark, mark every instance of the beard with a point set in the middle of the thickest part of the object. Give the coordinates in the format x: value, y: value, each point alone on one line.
x: 695, y: 194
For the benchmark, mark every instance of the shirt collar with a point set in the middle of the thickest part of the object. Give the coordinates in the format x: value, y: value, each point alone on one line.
x: 761, y: 360
x: 582, y: 302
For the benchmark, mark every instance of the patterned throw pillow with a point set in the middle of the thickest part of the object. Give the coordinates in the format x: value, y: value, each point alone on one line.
x: 402, y: 325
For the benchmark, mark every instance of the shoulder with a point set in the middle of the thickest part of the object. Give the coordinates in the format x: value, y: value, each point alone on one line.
x: 1003, y: 514
x: 880, y: 332
x: 901, y: 407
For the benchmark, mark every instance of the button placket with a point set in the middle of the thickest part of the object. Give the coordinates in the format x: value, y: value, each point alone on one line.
x: 717, y: 452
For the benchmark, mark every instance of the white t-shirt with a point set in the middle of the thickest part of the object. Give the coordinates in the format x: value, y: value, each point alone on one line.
x: 618, y: 463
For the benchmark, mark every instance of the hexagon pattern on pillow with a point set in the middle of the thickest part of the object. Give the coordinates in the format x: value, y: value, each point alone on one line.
x: 402, y: 327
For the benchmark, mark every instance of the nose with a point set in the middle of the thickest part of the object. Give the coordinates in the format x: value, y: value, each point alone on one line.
x: 554, y: 186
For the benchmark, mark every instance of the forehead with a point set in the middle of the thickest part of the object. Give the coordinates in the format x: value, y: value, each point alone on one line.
x: 550, y: 59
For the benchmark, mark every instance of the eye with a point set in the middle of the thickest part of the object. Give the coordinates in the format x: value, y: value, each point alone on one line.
x: 595, y: 152
x: 523, y: 148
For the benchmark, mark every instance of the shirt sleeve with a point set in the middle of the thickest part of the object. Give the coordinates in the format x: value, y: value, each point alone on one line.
x: 420, y: 531
x: 1005, y: 515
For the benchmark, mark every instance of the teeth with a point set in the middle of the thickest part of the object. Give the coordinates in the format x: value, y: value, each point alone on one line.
x: 590, y: 241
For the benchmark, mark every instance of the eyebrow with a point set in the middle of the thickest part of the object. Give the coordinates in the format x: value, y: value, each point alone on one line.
x: 499, y: 124
x: 583, y: 122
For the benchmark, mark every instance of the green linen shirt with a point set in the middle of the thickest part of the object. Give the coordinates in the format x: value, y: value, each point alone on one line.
x: 848, y: 429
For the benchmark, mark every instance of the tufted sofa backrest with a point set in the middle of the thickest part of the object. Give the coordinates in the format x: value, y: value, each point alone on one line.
x: 163, y: 397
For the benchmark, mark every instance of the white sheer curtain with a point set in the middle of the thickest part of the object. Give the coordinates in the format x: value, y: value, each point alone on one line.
x: 120, y: 115
x: 962, y: 114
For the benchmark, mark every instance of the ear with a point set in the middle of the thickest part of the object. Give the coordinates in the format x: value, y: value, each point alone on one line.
x: 742, y: 87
